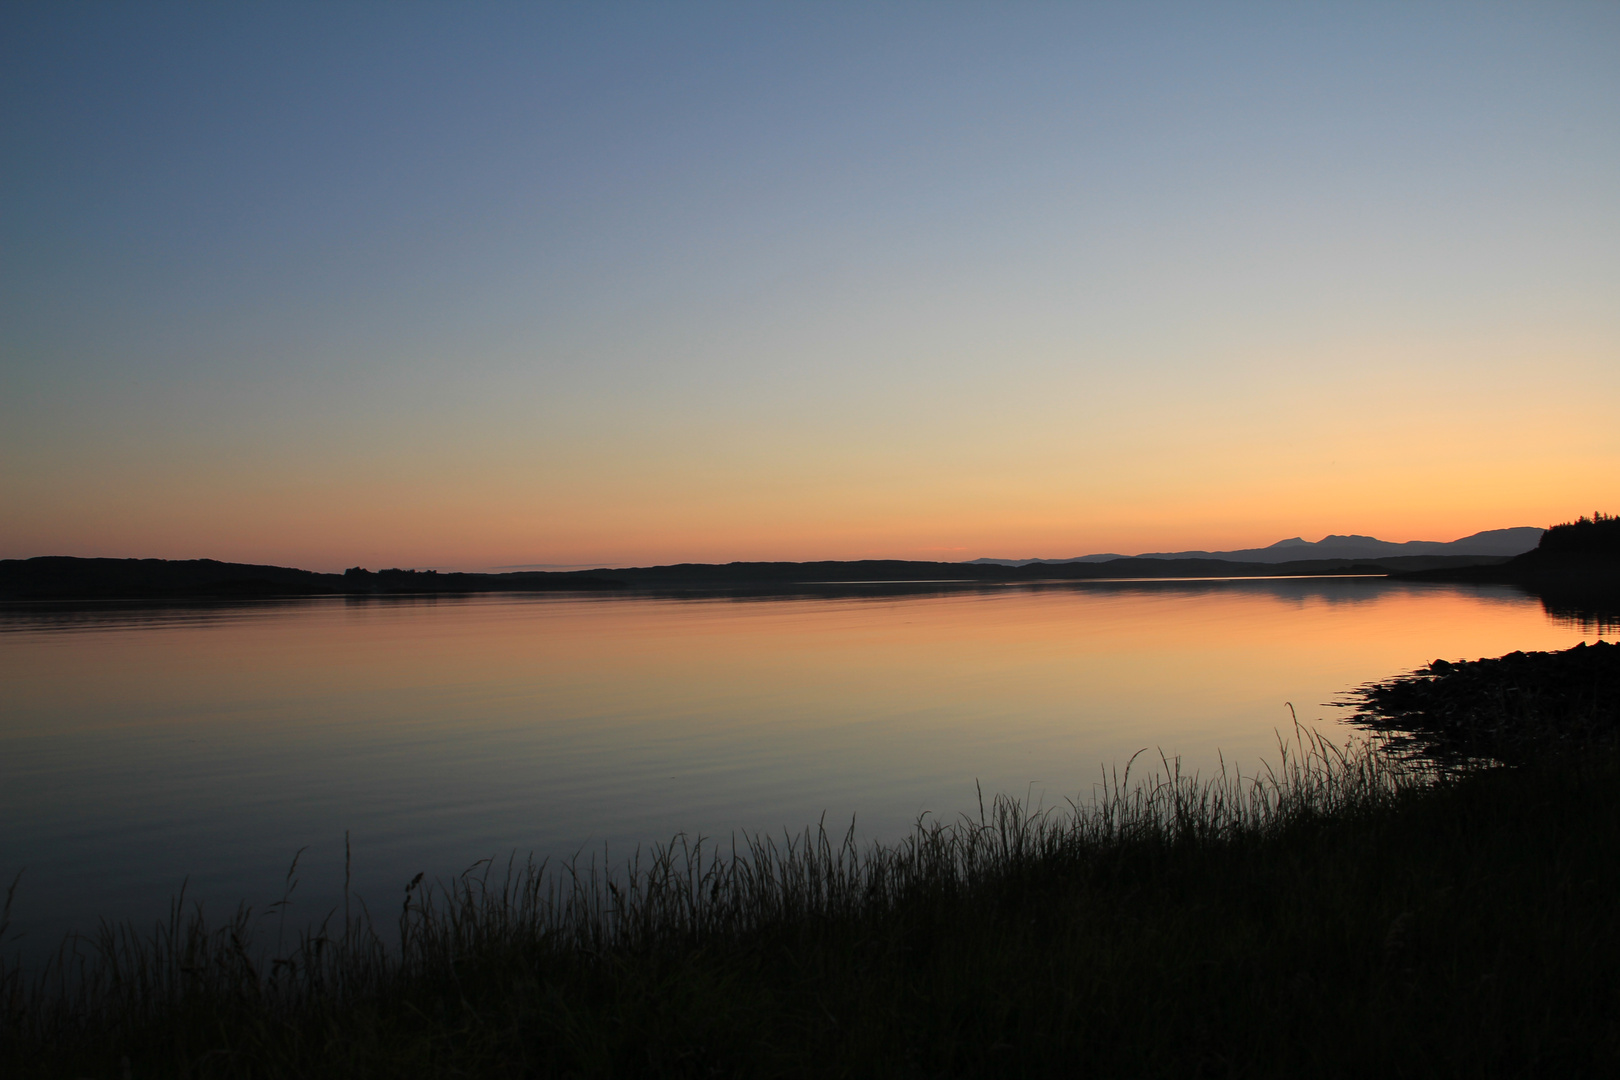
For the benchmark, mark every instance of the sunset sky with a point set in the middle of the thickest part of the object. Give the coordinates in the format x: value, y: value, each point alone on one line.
x: 491, y: 285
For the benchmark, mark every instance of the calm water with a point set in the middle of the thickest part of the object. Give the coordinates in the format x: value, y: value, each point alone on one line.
x: 142, y: 747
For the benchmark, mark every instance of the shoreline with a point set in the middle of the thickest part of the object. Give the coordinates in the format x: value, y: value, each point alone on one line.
x: 63, y: 578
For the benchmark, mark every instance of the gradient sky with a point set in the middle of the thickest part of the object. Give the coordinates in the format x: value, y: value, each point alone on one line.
x: 485, y: 285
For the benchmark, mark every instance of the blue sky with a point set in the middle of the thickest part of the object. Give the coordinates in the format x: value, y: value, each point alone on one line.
x: 485, y: 284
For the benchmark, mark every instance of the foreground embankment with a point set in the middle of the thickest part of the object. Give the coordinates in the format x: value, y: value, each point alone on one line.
x: 1346, y: 913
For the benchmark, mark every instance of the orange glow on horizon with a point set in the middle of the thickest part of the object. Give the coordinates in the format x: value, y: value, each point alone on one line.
x: 1192, y: 473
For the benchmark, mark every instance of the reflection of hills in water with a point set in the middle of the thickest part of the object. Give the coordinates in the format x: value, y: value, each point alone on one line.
x: 160, y: 614
x: 1332, y: 590
x: 1590, y: 613
x: 1335, y: 589
x: 1294, y: 591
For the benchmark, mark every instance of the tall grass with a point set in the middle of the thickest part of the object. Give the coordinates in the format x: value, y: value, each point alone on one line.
x: 202, y: 993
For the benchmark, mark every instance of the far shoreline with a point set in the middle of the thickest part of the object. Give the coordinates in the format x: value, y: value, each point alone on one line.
x: 66, y: 578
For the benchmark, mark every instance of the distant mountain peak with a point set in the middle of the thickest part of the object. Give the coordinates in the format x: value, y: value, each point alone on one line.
x: 1490, y: 542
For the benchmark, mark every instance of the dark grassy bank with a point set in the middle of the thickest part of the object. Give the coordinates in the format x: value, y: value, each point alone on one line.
x: 1345, y: 915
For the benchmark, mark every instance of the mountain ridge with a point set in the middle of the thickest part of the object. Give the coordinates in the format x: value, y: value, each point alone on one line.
x: 1489, y: 542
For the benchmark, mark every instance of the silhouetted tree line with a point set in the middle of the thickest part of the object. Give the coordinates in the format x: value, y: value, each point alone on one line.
x: 1598, y: 534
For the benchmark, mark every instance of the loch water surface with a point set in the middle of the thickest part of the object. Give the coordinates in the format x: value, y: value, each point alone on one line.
x: 147, y: 748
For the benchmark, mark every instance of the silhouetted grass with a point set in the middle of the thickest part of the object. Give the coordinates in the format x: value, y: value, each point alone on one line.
x: 1343, y: 913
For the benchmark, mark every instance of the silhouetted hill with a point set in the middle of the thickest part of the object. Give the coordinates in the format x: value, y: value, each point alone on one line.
x: 64, y: 577
x: 1491, y: 543
x: 68, y: 578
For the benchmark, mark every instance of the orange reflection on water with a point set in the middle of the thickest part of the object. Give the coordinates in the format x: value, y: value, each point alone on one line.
x: 1166, y: 662
x: 139, y: 748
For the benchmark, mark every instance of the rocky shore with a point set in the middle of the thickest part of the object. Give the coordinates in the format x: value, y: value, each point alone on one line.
x: 1509, y: 708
